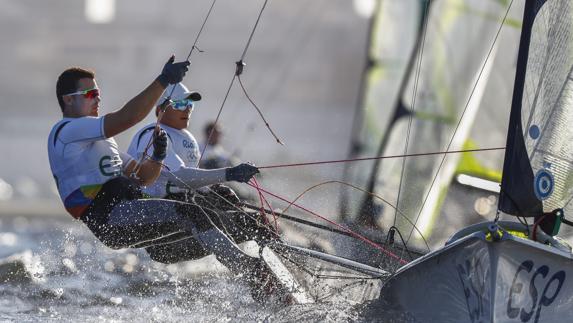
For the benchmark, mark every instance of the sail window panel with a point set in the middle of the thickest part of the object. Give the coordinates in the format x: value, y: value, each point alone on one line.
x: 547, y: 105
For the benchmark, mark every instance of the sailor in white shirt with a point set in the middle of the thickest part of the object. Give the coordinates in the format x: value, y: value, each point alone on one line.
x: 85, y: 160
x: 180, y: 177
x: 181, y: 172
x: 100, y: 185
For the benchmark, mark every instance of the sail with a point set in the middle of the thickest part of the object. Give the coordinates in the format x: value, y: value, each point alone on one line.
x: 394, y: 29
x: 459, y: 37
x: 537, y: 174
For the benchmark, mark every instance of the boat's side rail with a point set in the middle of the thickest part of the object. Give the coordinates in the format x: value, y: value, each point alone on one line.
x: 343, y: 262
x: 498, y: 228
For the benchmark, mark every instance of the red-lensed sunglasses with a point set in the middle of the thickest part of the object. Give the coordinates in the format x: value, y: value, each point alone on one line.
x: 88, y: 94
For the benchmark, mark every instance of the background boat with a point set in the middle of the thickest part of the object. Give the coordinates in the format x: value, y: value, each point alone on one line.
x: 441, y: 93
x: 491, y: 271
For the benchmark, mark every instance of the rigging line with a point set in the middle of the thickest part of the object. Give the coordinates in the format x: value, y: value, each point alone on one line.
x: 253, y: 31
x: 285, y: 69
x: 366, y: 192
x: 298, y: 220
x: 259, y: 111
x: 411, y: 116
x: 238, y: 71
x: 316, y: 274
x: 356, y: 235
x: 462, y: 115
x: 216, y: 120
x: 160, y: 115
x: 213, y: 209
x: 310, y: 272
x: 223, y: 198
x: 147, y: 146
x: 195, y: 42
x: 287, y: 217
x: 263, y: 199
x: 262, y: 208
x: 200, y: 31
x: 266, y: 224
x: 380, y: 157
x: 403, y: 241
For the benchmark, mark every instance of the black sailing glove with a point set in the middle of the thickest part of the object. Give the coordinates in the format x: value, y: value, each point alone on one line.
x: 173, y: 73
x: 159, y: 145
x: 241, y: 173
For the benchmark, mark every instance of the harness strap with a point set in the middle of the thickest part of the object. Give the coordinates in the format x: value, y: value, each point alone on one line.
x: 58, y: 130
x: 145, y: 130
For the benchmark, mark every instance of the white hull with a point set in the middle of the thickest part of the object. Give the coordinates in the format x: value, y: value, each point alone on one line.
x: 475, y: 280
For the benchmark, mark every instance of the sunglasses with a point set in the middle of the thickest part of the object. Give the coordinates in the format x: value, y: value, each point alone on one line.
x: 88, y: 94
x: 182, y: 105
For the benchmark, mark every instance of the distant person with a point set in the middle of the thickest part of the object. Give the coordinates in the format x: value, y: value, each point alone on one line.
x: 181, y: 178
x: 98, y: 183
x: 214, y: 155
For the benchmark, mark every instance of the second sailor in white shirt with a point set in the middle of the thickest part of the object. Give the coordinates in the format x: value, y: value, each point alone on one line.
x: 180, y: 177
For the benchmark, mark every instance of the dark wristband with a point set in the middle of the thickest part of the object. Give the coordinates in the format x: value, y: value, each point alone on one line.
x: 162, y: 78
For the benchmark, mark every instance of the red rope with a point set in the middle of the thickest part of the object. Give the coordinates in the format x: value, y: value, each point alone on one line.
x: 535, y: 225
x: 381, y: 157
x: 354, y: 234
x: 263, y: 202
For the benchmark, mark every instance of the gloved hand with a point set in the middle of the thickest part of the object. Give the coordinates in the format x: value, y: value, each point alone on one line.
x: 159, y: 145
x: 241, y: 173
x: 173, y: 73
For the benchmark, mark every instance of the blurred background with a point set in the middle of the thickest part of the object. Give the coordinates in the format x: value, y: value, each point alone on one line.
x: 303, y: 70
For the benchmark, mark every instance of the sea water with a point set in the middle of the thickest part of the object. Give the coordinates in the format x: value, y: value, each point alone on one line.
x: 53, y: 270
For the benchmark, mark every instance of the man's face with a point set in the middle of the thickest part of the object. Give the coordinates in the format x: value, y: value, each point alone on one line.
x: 176, y: 118
x: 83, y: 105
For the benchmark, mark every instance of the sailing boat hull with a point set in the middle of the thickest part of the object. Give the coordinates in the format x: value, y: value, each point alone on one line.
x: 476, y: 280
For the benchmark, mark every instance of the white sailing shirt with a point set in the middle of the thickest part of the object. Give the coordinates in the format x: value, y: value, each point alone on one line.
x: 182, y: 151
x: 82, y: 160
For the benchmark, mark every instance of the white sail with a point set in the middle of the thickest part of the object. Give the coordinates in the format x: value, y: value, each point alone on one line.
x: 547, y: 108
x: 459, y: 38
x: 393, y: 34
x: 505, y: 271
x: 538, y: 178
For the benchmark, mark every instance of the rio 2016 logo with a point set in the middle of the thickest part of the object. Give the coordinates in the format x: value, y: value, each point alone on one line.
x: 524, y: 301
